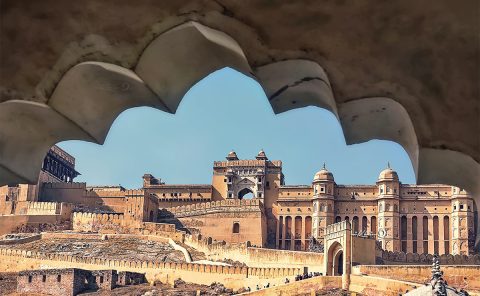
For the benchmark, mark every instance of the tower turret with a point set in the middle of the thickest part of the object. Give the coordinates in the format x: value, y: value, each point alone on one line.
x: 323, y: 201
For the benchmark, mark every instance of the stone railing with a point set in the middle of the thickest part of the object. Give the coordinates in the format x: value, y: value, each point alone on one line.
x: 228, y: 205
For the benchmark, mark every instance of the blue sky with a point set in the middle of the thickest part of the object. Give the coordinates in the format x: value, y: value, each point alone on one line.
x: 226, y: 111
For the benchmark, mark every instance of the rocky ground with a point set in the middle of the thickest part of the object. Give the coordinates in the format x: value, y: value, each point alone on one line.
x: 113, y: 248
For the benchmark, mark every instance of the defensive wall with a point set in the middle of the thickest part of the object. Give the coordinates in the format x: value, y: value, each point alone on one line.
x: 232, y: 277
x: 10, y: 223
x: 458, y: 276
x: 221, y: 206
x: 401, y: 258
x: 302, y: 287
x: 234, y: 221
x: 253, y: 256
x: 118, y: 223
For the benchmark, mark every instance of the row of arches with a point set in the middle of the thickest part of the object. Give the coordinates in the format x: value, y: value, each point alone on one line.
x: 293, y: 232
x: 363, y: 224
x: 425, y: 235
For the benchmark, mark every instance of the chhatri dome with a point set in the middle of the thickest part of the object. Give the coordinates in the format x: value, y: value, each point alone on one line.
x: 261, y: 155
x: 323, y: 175
x: 388, y: 174
x: 232, y: 155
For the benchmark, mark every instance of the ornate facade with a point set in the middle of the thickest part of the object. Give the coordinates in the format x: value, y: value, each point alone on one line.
x: 435, y: 219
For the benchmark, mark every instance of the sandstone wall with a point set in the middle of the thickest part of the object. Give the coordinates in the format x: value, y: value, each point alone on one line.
x: 303, y: 287
x: 463, y: 276
x: 363, y: 250
x: 401, y: 258
x: 12, y: 222
x: 232, y: 277
x: 369, y: 285
x: 255, y: 256
x: 118, y: 223
x: 217, y: 218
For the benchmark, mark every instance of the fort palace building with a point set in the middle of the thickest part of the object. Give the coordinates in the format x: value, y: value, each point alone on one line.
x: 249, y: 201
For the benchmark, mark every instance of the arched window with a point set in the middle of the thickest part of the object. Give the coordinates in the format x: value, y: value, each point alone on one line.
x: 338, y: 219
x: 355, y: 224
x: 236, y: 227
x: 364, y: 224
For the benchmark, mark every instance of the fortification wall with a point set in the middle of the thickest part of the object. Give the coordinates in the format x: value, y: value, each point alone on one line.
x: 231, y: 277
x: 253, y: 256
x: 369, y: 285
x: 63, y: 192
x: 118, y: 223
x: 10, y: 223
x: 93, y: 222
x: 221, y: 206
x: 459, y: 276
x: 401, y: 258
x: 303, y: 287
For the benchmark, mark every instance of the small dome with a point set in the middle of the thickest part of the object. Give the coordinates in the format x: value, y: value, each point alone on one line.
x: 232, y: 155
x: 323, y: 175
x: 261, y: 155
x: 388, y: 174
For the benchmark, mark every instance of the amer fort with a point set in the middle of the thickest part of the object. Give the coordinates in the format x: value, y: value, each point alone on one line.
x: 247, y: 231
x: 404, y: 72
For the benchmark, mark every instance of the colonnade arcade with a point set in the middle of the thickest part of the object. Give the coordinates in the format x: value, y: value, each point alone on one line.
x: 418, y: 233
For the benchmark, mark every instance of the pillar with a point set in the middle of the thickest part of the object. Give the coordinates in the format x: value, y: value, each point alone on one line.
x: 277, y: 233
x: 441, y: 236
x: 284, y: 231
x: 430, y: 236
x: 419, y: 234
x: 303, y: 233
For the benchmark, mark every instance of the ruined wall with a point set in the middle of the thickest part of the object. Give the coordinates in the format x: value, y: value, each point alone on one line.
x: 47, y: 282
x: 232, y: 277
x: 457, y: 276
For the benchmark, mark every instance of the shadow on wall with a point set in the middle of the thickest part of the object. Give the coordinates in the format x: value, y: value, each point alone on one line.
x: 165, y: 216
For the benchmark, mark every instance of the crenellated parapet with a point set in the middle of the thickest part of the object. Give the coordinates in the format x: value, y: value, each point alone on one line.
x: 390, y: 257
x: 228, y: 205
x: 155, y: 265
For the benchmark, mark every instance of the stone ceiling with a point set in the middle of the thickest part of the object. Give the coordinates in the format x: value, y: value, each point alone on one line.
x: 406, y: 71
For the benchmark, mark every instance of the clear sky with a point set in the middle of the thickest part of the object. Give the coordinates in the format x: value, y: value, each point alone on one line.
x: 226, y: 111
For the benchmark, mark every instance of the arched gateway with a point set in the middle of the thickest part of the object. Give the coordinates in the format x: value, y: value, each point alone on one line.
x: 337, y: 249
x: 342, y: 250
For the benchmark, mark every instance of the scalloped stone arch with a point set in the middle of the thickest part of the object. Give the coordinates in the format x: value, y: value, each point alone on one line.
x: 90, y: 95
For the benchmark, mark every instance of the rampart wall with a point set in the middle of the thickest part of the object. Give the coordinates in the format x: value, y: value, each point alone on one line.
x: 303, y: 287
x: 11, y: 222
x: 232, y: 277
x: 118, y: 223
x: 253, y: 256
x: 458, y: 276
x: 401, y: 258
x: 221, y: 206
